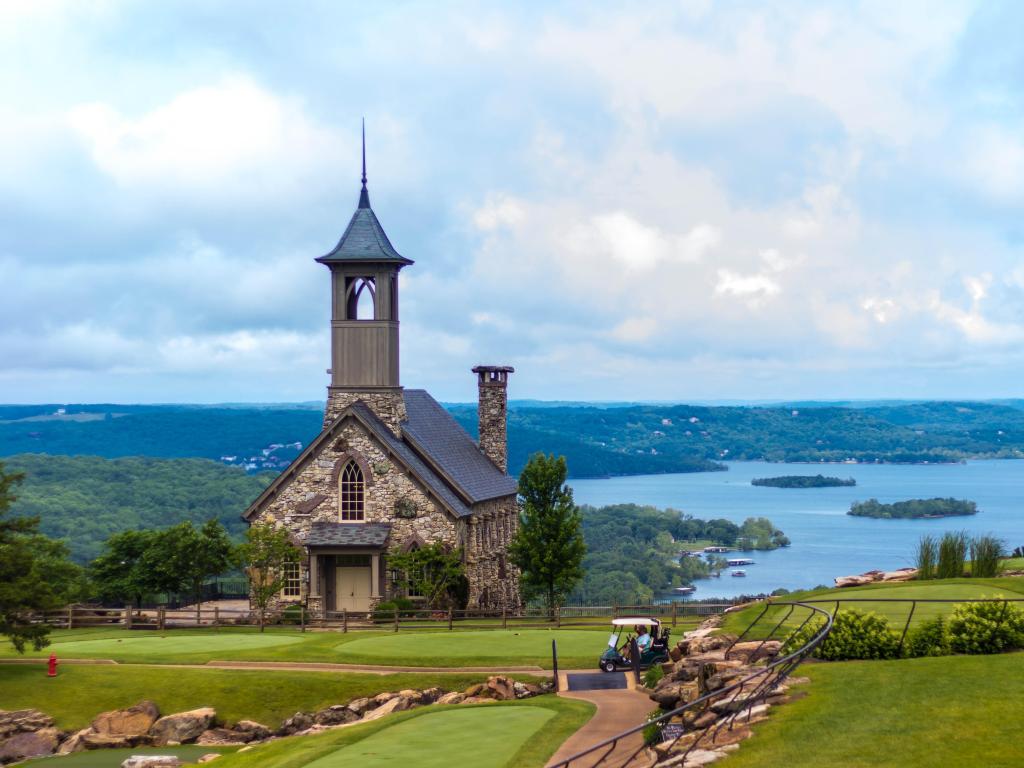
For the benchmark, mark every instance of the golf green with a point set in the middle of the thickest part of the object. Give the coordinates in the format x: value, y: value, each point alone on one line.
x: 484, y: 737
x: 533, y: 645
x: 150, y: 645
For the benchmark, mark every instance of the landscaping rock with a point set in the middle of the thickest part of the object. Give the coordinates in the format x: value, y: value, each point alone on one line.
x: 208, y: 757
x: 23, y: 721
x: 500, y: 688
x: 133, y: 721
x: 397, y: 704
x: 29, y: 744
x: 336, y: 715
x: 362, y: 706
x: 672, y: 694
x: 478, y: 700
x: 223, y: 737
x: 474, y: 690
x: 182, y: 727
x: 300, y: 721
x: 93, y: 740
x: 430, y: 695
x: 152, y: 761
x: 257, y: 730
x: 74, y: 742
x: 452, y: 698
x: 384, y: 698
x: 754, y: 650
x: 900, y: 574
x: 414, y: 697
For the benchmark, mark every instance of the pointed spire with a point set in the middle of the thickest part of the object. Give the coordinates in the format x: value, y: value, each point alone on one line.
x: 364, y: 196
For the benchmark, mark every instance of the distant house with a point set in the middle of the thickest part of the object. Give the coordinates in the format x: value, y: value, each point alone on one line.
x: 391, y: 470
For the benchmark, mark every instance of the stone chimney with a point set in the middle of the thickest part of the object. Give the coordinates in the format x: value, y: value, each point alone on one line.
x: 493, y: 412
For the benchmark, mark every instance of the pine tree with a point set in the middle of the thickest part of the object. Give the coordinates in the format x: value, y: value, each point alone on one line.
x: 548, y: 547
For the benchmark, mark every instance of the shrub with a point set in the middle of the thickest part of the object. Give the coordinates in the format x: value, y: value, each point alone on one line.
x: 927, y: 554
x: 652, y: 731
x: 952, y: 555
x: 653, y: 675
x: 854, y: 635
x: 988, y: 627
x: 292, y: 615
x: 987, y: 553
x: 929, y: 638
x: 385, y: 611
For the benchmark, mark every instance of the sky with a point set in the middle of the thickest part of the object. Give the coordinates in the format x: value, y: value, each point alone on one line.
x: 650, y: 201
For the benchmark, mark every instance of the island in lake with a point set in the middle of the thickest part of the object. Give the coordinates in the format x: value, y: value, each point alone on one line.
x: 803, y: 481
x: 914, y: 508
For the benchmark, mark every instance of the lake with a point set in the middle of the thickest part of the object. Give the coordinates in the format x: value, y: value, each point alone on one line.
x: 826, y: 541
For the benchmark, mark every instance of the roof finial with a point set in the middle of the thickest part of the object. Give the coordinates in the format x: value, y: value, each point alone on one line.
x: 364, y: 196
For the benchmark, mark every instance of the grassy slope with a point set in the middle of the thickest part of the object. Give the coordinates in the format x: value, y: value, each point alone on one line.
x: 79, y: 693
x: 949, y: 711
x: 577, y: 647
x: 897, y: 613
x: 430, y: 740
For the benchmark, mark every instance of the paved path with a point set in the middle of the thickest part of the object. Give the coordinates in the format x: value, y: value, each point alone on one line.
x: 617, y: 710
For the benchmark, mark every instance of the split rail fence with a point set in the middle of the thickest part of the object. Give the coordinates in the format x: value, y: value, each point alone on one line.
x: 401, y: 620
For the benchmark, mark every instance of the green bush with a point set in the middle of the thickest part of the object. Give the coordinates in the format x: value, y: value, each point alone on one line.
x: 854, y: 635
x: 653, y: 675
x: 385, y: 612
x: 989, y: 627
x: 929, y: 638
x: 292, y: 615
x: 652, y: 731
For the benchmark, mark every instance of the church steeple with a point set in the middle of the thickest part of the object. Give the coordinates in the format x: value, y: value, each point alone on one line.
x: 364, y: 307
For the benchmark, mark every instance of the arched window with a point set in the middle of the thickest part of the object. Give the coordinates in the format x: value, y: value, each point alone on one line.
x: 351, y: 491
x: 361, y: 299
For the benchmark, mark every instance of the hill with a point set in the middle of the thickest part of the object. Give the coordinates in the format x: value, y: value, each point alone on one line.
x: 597, y: 440
x: 85, y: 499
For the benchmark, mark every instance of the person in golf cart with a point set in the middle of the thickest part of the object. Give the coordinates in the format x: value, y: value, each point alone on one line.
x: 653, y: 648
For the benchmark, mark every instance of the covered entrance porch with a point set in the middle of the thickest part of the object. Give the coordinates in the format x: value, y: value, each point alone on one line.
x: 345, y: 568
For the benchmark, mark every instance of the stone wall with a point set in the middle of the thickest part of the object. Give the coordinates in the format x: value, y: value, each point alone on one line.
x: 387, y: 404
x: 493, y: 580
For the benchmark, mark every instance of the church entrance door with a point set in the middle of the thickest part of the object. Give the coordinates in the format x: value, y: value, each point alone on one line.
x: 352, y: 583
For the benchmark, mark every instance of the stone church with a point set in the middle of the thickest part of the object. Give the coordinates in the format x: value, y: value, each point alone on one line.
x: 391, y: 470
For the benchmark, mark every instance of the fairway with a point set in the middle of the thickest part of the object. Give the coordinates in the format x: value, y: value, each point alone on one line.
x: 169, y: 644
x: 448, y: 648
x: 486, y: 737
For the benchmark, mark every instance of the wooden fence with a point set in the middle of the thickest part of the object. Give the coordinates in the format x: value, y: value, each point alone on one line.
x: 296, y: 617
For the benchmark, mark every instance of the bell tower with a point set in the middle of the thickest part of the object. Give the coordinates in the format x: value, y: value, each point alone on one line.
x: 364, y: 316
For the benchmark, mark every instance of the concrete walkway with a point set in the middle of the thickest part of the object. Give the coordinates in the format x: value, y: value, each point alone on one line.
x: 617, y: 710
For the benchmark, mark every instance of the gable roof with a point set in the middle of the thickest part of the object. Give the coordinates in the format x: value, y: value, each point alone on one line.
x: 451, y: 451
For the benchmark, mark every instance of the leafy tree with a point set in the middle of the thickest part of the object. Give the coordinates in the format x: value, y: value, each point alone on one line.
x: 433, y: 571
x: 265, y: 553
x: 182, y: 558
x: 35, y: 574
x: 548, y: 547
x: 119, y: 573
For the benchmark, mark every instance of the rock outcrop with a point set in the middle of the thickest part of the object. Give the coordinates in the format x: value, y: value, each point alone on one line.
x: 182, y: 727
x: 133, y: 721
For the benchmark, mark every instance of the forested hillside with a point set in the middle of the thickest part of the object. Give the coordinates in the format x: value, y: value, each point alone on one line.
x: 597, y: 441
x: 84, y: 499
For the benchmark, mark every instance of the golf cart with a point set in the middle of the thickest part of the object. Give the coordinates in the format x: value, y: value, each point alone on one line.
x: 616, y: 655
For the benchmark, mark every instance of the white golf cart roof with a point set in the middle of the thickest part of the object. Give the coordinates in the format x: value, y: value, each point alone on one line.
x: 634, y: 621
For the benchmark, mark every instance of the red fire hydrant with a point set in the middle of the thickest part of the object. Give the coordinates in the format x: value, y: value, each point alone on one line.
x: 51, y: 667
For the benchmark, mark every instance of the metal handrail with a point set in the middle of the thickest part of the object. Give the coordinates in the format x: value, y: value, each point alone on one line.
x: 764, y: 680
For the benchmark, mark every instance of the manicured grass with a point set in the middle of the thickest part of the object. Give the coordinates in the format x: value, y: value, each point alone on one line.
x: 523, y: 647
x: 523, y: 734
x: 914, y: 713
x: 527, y: 646
x: 896, y: 613
x: 112, y: 758
x: 79, y: 693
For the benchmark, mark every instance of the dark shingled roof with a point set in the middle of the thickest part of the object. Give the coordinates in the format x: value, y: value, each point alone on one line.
x: 437, y: 435
x: 364, y: 240
x: 415, y: 464
x: 347, y: 535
